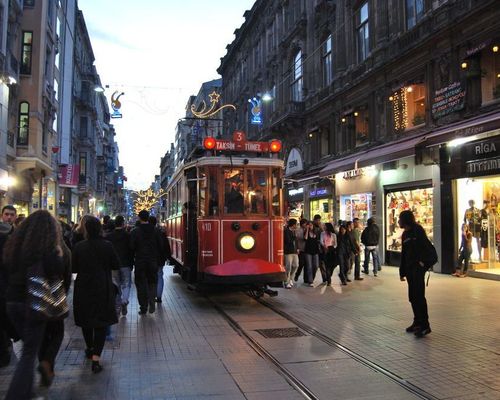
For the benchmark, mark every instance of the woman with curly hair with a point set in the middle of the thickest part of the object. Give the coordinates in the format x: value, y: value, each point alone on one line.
x: 93, y: 260
x: 36, y: 240
x: 79, y: 231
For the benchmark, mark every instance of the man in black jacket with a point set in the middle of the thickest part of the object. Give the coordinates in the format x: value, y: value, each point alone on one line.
x: 146, y: 246
x: 120, y: 239
x: 163, y: 257
x: 370, y: 238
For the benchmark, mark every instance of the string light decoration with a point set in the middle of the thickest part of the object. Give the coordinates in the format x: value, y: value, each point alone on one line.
x: 399, y: 101
x: 147, y: 199
x: 212, y: 110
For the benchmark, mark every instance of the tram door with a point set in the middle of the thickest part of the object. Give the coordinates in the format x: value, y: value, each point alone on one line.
x: 191, y: 229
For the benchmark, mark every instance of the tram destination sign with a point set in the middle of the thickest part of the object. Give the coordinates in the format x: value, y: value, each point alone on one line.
x: 240, y: 144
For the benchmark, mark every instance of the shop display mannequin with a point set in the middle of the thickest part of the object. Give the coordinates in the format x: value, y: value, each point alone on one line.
x: 472, y: 217
x: 485, y: 223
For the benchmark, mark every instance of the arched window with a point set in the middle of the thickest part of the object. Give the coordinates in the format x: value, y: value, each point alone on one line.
x: 297, y: 76
x: 23, y: 124
x: 326, y: 55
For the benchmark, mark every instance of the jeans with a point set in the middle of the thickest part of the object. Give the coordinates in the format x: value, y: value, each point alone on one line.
x: 32, y: 333
x: 125, y: 283
x: 357, y: 265
x: 344, y: 260
x: 146, y: 279
x: 302, y: 264
x: 51, y: 343
x: 161, y: 283
x: 376, y: 260
x: 291, y: 266
x: 312, y: 264
x: 465, y: 258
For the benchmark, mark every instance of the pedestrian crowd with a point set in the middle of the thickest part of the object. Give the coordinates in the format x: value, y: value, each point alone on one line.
x: 310, y: 246
x: 38, y: 256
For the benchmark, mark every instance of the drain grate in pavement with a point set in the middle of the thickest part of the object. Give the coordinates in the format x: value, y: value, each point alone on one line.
x: 281, y: 333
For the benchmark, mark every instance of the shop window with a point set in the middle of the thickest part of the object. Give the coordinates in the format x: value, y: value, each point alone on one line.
x: 297, y: 83
x: 256, y: 201
x: 417, y: 200
x: 490, y: 74
x: 27, y: 48
x: 233, y: 191
x: 408, y: 107
x: 356, y: 206
x: 363, y: 32
x: 327, y: 61
x: 323, y: 207
x: 23, y: 124
x: 414, y: 12
x: 361, y: 127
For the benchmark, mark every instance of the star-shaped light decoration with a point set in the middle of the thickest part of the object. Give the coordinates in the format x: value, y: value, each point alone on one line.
x: 214, y: 97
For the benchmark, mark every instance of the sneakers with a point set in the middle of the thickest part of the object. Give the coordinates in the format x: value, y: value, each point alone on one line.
x: 288, y: 286
x: 420, y: 333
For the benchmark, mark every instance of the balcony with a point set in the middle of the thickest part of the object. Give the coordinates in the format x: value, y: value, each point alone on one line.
x: 83, y: 99
x: 292, y: 111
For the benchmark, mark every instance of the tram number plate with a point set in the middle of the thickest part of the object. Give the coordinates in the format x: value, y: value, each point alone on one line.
x: 207, y: 227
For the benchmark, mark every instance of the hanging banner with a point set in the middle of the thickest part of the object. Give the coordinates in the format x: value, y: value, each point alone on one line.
x: 69, y: 176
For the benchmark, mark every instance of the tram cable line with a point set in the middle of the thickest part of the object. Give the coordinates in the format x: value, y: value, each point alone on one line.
x: 292, y: 380
x: 417, y: 391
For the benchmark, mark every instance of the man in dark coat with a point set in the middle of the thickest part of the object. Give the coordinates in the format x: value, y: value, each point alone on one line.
x: 147, y: 248
x: 120, y: 239
x: 6, y: 228
x: 370, y: 238
x: 164, y: 255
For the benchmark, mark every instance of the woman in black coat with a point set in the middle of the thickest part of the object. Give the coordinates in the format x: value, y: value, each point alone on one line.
x: 94, y: 297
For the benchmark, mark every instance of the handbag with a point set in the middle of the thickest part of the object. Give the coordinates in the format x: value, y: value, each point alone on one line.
x: 46, y: 297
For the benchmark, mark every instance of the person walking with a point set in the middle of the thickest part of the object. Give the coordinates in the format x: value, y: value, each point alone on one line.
x: 301, y: 247
x: 163, y: 256
x: 370, y: 238
x: 37, y: 242
x: 54, y: 330
x: 94, y: 296
x: 291, y: 252
x: 328, y: 241
x: 418, y: 255
x: 79, y: 231
x: 6, y: 329
x: 318, y: 229
x: 350, y: 233
x: 465, y: 252
x: 344, y: 250
x: 311, y: 254
x: 120, y: 239
x: 146, y: 246
x: 356, y: 236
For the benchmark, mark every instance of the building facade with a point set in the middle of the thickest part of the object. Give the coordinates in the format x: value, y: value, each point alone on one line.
x: 370, y: 98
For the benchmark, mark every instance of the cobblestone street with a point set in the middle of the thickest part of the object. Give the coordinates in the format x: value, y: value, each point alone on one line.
x: 188, y: 350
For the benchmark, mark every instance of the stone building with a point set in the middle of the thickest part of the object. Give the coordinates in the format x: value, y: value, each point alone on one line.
x: 381, y: 106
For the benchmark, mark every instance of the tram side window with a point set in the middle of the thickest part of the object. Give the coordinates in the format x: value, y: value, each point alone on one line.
x: 257, y: 192
x: 277, y: 184
x: 203, y: 179
x: 233, y: 191
x: 213, y: 193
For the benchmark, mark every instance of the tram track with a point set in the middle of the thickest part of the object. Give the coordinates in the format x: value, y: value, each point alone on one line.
x: 292, y: 380
x: 417, y: 391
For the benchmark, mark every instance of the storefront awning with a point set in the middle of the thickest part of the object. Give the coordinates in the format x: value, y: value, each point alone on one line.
x: 462, y: 129
x: 376, y: 155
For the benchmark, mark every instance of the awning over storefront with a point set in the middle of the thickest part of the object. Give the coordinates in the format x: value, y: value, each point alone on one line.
x: 463, y: 129
x: 376, y: 155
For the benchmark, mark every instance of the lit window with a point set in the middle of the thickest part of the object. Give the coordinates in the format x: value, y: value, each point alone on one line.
x: 408, y: 107
x: 361, y: 127
x: 490, y: 77
x: 414, y: 12
x: 26, y: 53
x: 23, y: 124
x: 297, y: 72
x: 363, y: 32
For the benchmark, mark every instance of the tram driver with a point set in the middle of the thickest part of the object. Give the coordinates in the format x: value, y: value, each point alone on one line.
x: 234, y: 199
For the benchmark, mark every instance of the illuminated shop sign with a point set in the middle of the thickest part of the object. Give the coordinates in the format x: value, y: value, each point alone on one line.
x: 295, y: 192
x: 318, y: 192
x: 354, y: 173
x: 255, y: 111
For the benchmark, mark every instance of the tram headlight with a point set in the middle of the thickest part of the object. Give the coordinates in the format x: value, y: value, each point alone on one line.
x: 246, y: 242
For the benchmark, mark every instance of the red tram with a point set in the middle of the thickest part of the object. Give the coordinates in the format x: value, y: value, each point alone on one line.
x: 225, y: 214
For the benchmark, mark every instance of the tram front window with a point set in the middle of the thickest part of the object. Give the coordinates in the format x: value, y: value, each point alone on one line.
x: 233, y: 191
x: 257, y: 192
